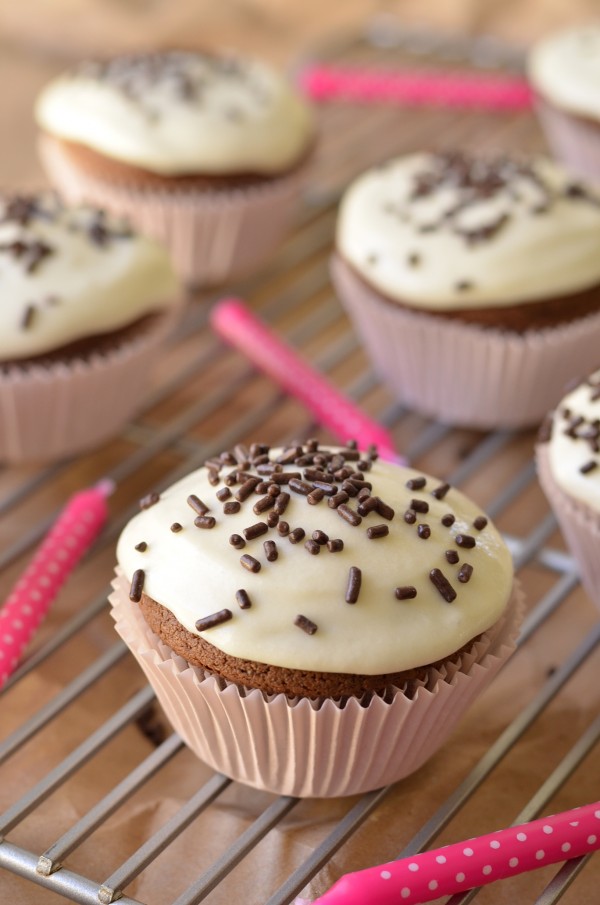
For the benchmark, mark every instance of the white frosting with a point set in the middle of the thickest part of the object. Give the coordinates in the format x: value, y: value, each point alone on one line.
x: 567, y: 454
x: 59, y: 284
x: 177, y: 113
x: 196, y: 572
x: 528, y: 255
x: 565, y: 68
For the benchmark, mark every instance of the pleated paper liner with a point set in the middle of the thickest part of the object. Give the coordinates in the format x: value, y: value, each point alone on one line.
x: 579, y: 524
x: 574, y: 140
x: 310, y: 748
x: 212, y: 235
x: 461, y: 373
x: 50, y: 411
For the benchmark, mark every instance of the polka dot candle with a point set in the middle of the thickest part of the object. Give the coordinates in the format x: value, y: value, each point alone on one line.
x: 476, y: 862
x: 68, y: 539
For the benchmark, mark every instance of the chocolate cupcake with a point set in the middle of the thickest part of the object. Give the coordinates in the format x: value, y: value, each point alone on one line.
x: 86, y: 304
x: 474, y: 282
x: 207, y: 152
x: 568, y: 460
x: 564, y: 70
x: 314, y: 621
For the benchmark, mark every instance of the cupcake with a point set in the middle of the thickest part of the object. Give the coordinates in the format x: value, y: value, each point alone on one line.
x: 564, y: 71
x: 568, y: 460
x: 86, y: 304
x: 314, y: 621
x: 206, y: 152
x: 474, y: 282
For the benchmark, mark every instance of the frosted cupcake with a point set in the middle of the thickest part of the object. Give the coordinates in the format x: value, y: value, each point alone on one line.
x: 314, y: 621
x: 568, y: 459
x: 207, y: 152
x: 474, y: 282
x: 86, y: 303
x: 564, y: 70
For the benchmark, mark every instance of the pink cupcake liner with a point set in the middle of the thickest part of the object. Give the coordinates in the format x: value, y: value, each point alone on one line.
x: 212, y: 236
x: 309, y: 748
x: 573, y: 139
x: 48, y: 411
x: 462, y: 373
x: 579, y: 525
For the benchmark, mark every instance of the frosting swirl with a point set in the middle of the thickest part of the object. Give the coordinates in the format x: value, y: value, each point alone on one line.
x: 180, y: 112
x: 272, y: 556
x: 448, y: 231
x: 68, y: 273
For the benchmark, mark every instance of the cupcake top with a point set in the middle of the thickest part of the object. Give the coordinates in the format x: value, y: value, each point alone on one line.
x: 319, y: 559
x: 573, y: 436
x: 449, y: 231
x: 180, y: 112
x: 68, y: 273
x: 565, y: 68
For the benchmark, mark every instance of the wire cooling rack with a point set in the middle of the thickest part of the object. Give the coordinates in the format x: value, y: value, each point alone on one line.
x: 207, y: 399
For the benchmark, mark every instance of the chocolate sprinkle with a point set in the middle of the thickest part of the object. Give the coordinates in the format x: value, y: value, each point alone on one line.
x: 176, y: 527
x: 336, y: 545
x: 410, y: 517
x: 197, y: 504
x: 354, y: 583
x: 283, y: 529
x: 307, y: 625
x: 384, y: 510
x: 375, y: 531
x: 265, y: 502
x: 137, y: 585
x: 150, y: 500
x: 223, y: 494
x: 142, y: 546
x: 442, y: 585
x: 416, y: 483
x: 205, y: 521
x: 320, y: 537
x: 246, y: 489
x: 28, y: 317
x: 452, y: 557
x: 272, y: 519
x: 589, y: 466
x: 255, y: 530
x: 337, y: 499
x: 214, y: 619
x: 424, y: 531
x: 281, y: 502
x: 296, y: 535
x: 407, y: 592
x: 231, y: 507
x: 250, y: 563
x: 243, y: 599
x: 312, y: 546
x: 440, y: 492
x: 236, y: 541
x: 349, y: 515
x: 448, y: 520
x: 464, y: 540
x: 480, y: 522
x: 465, y: 572
x: 271, y: 551
x: 315, y: 496
x: 419, y: 505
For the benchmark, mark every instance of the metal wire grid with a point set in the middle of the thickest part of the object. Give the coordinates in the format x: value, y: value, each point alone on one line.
x: 348, y: 147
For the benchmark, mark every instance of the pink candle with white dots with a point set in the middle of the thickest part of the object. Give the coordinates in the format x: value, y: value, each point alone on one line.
x: 465, y: 865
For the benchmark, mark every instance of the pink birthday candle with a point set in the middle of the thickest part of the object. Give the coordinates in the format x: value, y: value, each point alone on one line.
x: 67, y: 540
x: 475, y: 862
x: 232, y: 319
x: 415, y: 87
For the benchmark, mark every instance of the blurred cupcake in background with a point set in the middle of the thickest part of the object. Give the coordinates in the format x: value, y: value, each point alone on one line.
x: 206, y: 152
x: 474, y: 282
x: 86, y: 304
x: 564, y: 70
x: 568, y: 461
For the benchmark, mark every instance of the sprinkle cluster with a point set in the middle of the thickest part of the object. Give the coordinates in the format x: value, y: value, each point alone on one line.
x: 20, y: 242
x: 582, y: 430
x: 262, y: 484
x: 187, y: 77
x: 463, y: 182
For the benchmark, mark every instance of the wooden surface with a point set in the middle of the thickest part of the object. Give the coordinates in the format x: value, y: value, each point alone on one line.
x: 207, y: 396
